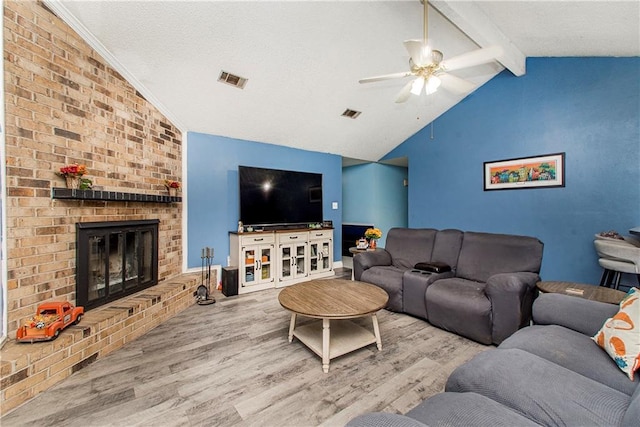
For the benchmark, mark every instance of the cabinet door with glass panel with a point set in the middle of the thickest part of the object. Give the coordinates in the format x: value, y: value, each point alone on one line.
x: 320, y: 251
x: 256, y: 266
x: 292, y: 251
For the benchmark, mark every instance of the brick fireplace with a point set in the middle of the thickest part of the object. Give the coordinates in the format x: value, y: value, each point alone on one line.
x: 114, y: 259
x: 64, y: 104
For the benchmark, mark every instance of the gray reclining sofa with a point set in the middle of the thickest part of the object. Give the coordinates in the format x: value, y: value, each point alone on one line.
x: 486, y: 296
x: 549, y: 374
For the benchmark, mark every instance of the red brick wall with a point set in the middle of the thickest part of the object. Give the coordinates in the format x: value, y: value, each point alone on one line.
x: 64, y: 105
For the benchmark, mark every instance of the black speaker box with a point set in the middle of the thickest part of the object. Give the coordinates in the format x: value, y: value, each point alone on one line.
x: 229, y: 281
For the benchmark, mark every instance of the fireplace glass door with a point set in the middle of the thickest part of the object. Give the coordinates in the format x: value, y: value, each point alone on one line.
x: 114, y: 261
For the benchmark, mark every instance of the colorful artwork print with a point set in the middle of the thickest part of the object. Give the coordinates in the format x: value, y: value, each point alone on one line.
x: 526, y: 172
x: 538, y: 171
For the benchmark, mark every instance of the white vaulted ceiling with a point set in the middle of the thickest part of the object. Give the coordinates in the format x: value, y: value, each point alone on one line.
x: 303, y: 59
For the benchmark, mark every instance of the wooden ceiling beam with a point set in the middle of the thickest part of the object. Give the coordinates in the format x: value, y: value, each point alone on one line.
x: 472, y: 20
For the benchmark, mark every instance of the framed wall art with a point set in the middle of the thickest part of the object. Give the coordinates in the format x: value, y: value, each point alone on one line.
x: 527, y: 172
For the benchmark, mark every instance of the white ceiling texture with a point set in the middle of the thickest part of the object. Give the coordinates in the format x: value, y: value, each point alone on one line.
x: 303, y: 59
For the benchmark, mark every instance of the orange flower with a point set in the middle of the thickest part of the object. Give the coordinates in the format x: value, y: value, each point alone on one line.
x: 73, y: 170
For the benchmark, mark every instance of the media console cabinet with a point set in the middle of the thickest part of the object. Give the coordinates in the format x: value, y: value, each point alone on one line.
x: 279, y: 258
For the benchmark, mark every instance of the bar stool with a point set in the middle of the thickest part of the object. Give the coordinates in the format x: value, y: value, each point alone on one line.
x: 617, y: 257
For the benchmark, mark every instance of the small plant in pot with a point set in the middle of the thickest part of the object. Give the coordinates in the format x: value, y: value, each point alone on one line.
x: 72, y: 174
x: 373, y: 234
x: 172, y: 186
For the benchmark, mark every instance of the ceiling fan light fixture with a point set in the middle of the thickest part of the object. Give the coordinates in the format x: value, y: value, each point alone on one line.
x: 426, y: 63
x: 418, y: 84
x: 436, y: 57
x: 432, y: 85
x: 424, y: 55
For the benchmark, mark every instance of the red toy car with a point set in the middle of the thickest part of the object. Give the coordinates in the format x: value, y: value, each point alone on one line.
x: 50, y: 320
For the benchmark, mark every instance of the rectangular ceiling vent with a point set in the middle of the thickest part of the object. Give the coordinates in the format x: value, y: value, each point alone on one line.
x: 232, y: 79
x: 352, y: 114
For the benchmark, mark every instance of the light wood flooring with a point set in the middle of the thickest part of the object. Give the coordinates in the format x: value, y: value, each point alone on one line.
x: 230, y: 364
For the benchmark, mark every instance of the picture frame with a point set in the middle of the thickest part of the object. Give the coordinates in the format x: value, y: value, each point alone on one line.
x: 543, y: 171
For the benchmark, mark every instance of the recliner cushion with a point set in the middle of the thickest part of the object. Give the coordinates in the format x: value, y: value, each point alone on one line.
x: 409, y: 246
x: 484, y: 254
x: 632, y: 415
x: 383, y: 419
x: 446, y: 247
x: 544, y: 392
x: 460, y: 306
x: 466, y: 409
x: 572, y: 350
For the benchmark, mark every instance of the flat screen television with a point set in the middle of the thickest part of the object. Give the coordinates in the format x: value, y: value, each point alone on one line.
x: 279, y: 197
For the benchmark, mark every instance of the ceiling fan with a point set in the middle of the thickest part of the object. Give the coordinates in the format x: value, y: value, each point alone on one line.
x: 431, y: 71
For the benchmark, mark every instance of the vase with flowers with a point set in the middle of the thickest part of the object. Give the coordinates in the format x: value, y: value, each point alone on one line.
x: 172, y: 187
x: 72, y: 174
x: 373, y: 234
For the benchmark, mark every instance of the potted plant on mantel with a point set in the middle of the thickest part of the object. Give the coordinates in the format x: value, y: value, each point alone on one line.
x: 72, y: 174
x: 172, y: 187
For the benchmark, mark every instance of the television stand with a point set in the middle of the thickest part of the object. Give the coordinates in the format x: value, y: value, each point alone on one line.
x: 281, y: 257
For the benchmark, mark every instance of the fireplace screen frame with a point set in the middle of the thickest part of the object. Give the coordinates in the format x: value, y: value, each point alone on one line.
x: 138, y: 271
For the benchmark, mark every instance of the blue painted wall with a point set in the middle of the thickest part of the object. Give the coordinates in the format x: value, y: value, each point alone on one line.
x: 212, y: 186
x: 588, y: 108
x: 374, y: 193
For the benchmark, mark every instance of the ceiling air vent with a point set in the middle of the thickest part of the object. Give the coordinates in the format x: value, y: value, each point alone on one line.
x: 232, y: 79
x: 352, y: 114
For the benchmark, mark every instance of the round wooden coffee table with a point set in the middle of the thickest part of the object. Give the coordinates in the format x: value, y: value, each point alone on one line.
x: 333, y: 299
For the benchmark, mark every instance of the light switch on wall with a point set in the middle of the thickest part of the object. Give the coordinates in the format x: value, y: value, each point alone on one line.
x: 334, y: 205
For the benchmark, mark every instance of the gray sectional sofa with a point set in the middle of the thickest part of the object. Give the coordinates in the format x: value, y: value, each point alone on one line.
x: 486, y: 296
x: 550, y: 374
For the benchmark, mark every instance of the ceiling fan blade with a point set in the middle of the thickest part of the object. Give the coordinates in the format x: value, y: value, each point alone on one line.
x: 470, y: 59
x: 405, y: 93
x: 456, y: 84
x: 385, y: 77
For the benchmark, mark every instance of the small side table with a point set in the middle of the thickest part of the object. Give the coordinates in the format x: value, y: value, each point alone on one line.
x: 354, y: 250
x: 590, y: 292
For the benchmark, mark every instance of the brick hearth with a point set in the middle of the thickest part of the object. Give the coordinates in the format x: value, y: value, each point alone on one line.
x: 27, y: 369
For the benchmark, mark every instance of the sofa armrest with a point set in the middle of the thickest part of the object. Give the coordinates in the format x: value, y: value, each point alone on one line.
x: 384, y: 419
x: 511, y: 296
x: 572, y: 312
x: 365, y: 260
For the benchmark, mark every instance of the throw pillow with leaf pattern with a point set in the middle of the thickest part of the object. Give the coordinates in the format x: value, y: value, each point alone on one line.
x: 620, y: 334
